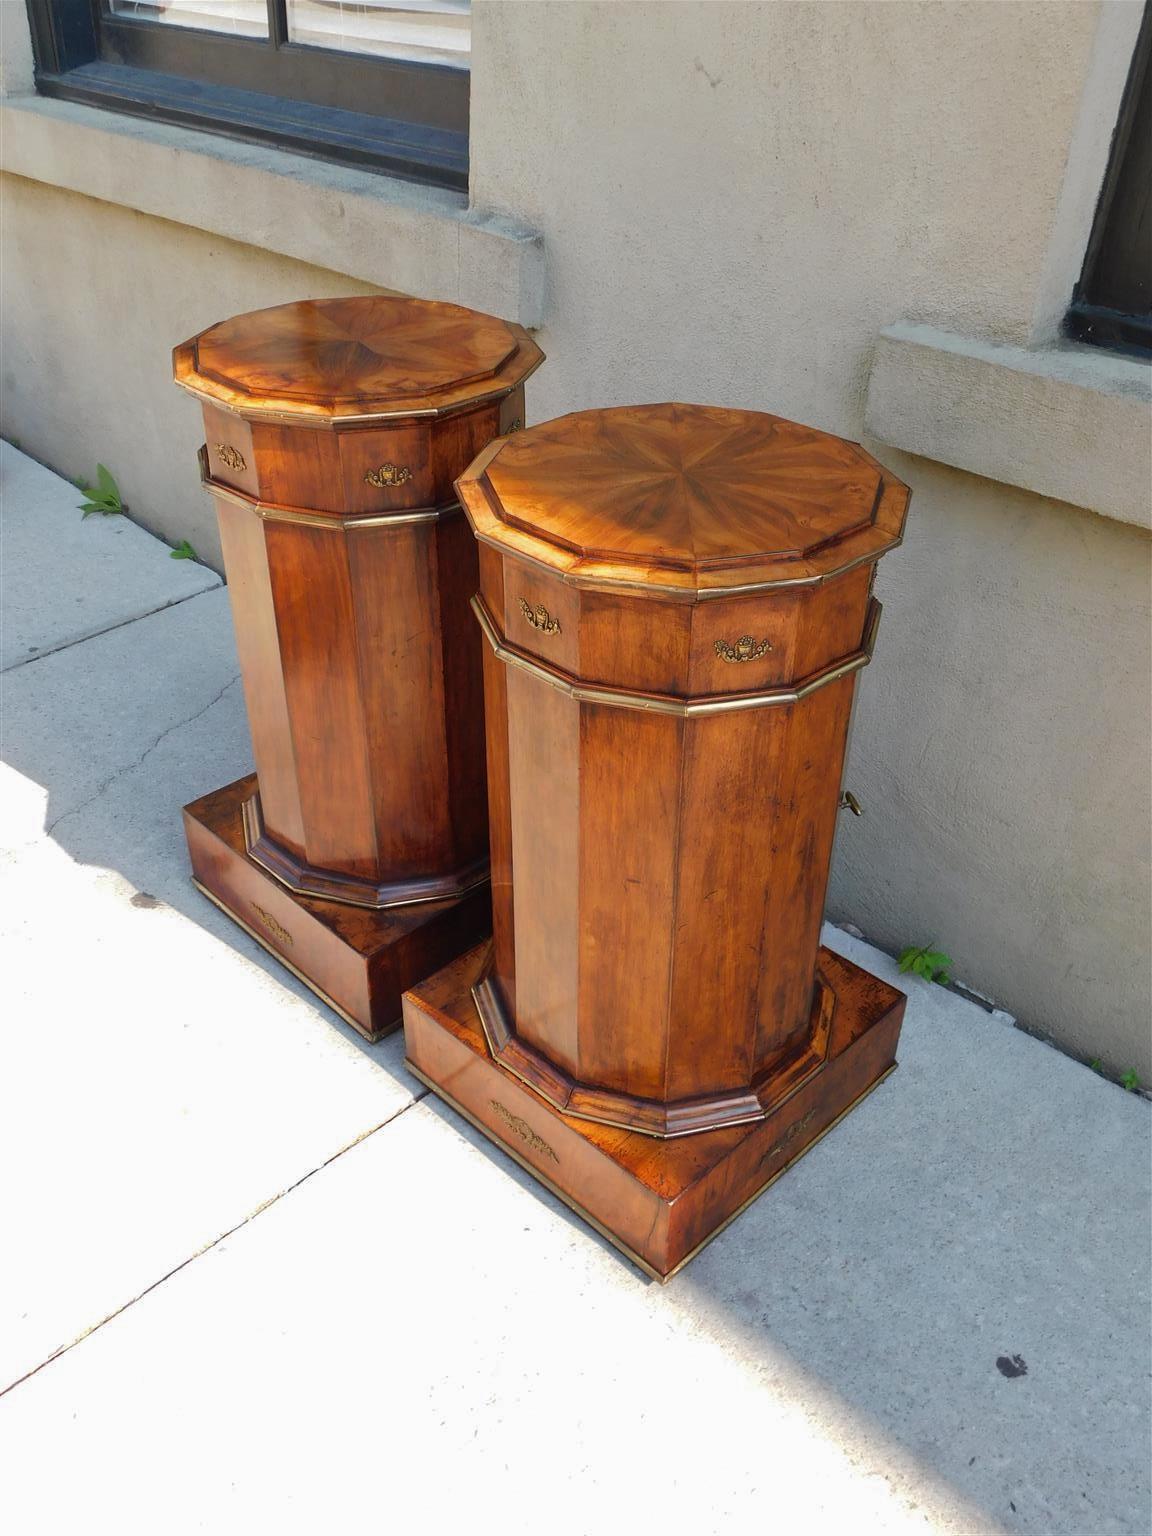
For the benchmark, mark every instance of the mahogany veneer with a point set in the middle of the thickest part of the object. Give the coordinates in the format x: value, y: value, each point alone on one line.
x: 677, y: 600
x: 334, y: 432
x: 658, y: 1201
x: 359, y: 961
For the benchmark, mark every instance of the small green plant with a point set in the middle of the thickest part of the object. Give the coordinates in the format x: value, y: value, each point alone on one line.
x: 183, y: 551
x: 103, y: 497
x: 1097, y: 1066
x: 925, y: 961
x: 1130, y: 1080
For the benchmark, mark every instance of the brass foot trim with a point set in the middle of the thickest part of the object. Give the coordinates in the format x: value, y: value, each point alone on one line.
x: 598, y: 1226
x: 372, y: 1038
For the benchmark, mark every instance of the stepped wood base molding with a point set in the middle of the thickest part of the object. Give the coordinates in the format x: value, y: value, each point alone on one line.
x: 357, y: 960
x: 777, y: 1081
x: 658, y: 1201
x: 329, y: 885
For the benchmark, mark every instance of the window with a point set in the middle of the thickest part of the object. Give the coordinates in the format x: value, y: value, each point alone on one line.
x: 1112, y: 304
x: 382, y: 83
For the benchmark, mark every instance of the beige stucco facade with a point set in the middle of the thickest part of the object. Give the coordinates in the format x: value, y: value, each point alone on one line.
x: 771, y: 205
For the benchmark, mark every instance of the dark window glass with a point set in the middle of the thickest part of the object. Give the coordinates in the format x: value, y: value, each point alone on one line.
x: 1112, y: 305
x: 376, y: 82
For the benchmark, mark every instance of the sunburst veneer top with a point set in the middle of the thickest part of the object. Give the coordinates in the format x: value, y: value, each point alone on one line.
x: 358, y: 357
x: 684, y: 488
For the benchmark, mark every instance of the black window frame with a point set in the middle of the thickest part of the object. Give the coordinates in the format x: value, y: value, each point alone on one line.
x: 408, y: 119
x: 1112, y: 302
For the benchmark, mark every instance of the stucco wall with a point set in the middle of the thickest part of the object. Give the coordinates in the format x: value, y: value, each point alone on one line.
x: 93, y: 298
x: 735, y: 199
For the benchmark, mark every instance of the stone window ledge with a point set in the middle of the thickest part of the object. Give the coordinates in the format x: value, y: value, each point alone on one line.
x: 1070, y: 422
x: 416, y: 240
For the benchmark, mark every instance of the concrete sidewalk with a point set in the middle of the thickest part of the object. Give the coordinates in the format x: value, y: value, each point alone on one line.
x: 254, y: 1280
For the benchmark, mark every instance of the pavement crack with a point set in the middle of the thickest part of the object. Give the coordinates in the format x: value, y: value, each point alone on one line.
x: 132, y: 766
x: 207, y: 1247
x: 107, y: 629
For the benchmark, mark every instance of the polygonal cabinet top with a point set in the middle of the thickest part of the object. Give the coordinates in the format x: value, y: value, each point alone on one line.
x: 342, y: 361
x: 684, y: 496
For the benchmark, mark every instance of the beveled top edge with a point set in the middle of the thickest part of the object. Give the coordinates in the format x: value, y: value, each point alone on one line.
x: 354, y: 409
x: 860, y: 546
x: 802, y: 504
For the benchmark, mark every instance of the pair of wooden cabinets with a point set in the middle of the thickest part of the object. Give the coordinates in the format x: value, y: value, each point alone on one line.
x: 549, y: 729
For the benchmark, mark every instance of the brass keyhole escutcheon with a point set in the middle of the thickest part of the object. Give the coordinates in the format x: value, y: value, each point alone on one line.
x: 232, y: 457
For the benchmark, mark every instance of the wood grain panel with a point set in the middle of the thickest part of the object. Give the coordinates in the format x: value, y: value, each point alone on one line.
x: 299, y: 467
x: 830, y: 621
x: 807, y: 792
x: 729, y: 813
x: 258, y: 650
x: 311, y: 588
x: 396, y: 629
x: 544, y: 798
x: 633, y: 642
x: 461, y: 666
x: 629, y: 805
x: 503, y: 958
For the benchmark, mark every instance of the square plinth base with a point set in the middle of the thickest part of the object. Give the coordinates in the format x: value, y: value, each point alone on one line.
x: 658, y: 1201
x: 357, y: 960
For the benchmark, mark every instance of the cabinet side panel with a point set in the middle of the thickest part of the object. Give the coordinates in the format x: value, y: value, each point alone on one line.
x: 258, y: 648
x: 811, y: 764
x: 394, y: 592
x: 499, y: 808
x: 733, y: 802
x: 630, y: 768
x: 308, y: 568
x: 544, y: 798
x: 462, y: 647
x: 500, y: 829
x: 831, y: 620
x: 298, y: 467
x: 456, y: 440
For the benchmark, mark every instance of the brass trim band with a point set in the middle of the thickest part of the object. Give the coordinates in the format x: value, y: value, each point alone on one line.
x: 271, y: 512
x: 671, y: 704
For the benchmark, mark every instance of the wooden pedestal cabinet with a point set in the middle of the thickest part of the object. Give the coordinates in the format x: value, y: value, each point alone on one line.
x: 676, y: 602
x: 358, y: 853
